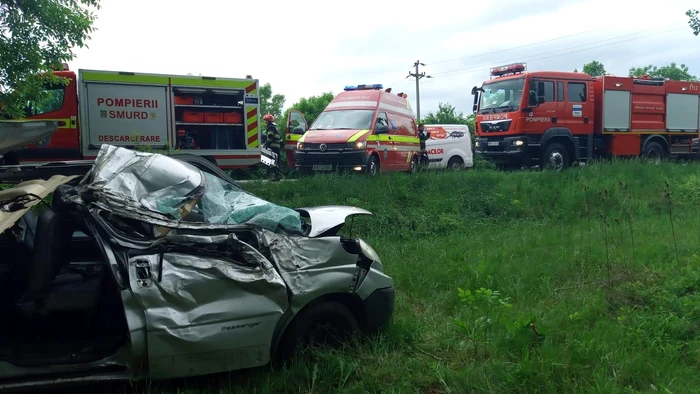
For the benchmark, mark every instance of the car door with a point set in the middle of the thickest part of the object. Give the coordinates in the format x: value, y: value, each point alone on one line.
x: 295, y: 128
x: 385, y: 145
x: 205, y: 312
x: 578, y: 110
x: 543, y: 115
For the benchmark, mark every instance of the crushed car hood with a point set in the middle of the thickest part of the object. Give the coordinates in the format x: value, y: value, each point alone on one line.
x: 327, y: 220
x: 16, y: 201
x: 167, y: 192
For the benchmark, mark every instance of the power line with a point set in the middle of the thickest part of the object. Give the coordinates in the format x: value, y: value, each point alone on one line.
x: 537, y: 57
x: 534, y: 44
x: 518, y: 47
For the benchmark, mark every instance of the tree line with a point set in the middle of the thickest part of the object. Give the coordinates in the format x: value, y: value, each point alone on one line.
x: 672, y: 71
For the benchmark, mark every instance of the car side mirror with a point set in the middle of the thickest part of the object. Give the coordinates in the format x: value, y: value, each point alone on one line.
x: 540, y: 100
x: 383, y: 129
x: 474, y: 108
x: 298, y: 130
x: 474, y: 90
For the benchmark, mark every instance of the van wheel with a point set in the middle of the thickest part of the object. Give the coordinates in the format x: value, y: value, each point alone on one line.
x: 455, y: 163
x: 373, y: 165
x: 414, y: 165
x: 327, y: 323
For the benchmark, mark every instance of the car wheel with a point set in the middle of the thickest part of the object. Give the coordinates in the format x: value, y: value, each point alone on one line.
x: 455, y: 163
x: 327, y: 323
x: 373, y: 166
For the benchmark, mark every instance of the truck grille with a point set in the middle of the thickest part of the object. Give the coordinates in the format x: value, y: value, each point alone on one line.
x: 343, y: 159
x: 492, y: 127
x: 334, y: 146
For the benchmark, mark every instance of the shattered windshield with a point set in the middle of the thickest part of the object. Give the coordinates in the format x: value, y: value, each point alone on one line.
x: 224, y: 203
x: 352, y: 119
x: 501, y: 96
x: 161, y: 190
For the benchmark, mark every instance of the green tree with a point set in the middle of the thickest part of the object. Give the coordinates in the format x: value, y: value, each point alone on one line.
x: 694, y: 21
x: 36, y: 37
x: 594, y: 68
x: 310, y: 107
x: 446, y: 114
x: 271, y: 103
x: 672, y: 71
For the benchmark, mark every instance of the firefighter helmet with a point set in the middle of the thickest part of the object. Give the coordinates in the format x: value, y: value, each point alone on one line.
x: 269, y: 117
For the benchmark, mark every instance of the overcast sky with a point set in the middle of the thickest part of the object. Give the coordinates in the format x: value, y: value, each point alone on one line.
x: 306, y: 47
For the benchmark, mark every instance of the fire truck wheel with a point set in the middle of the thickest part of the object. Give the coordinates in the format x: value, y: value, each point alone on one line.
x: 653, y: 152
x: 373, y: 165
x: 555, y: 157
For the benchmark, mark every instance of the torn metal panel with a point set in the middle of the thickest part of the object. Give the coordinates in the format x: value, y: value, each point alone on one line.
x: 330, y: 217
x: 16, y: 134
x: 312, y: 267
x: 16, y: 201
x: 208, y: 315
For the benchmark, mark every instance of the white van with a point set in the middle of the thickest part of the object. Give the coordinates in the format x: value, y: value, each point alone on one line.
x: 449, y: 146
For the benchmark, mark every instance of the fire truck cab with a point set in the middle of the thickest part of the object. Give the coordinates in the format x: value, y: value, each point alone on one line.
x: 554, y: 119
x: 364, y: 128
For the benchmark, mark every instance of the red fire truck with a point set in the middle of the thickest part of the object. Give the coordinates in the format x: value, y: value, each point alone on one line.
x: 569, y: 117
x: 216, y: 118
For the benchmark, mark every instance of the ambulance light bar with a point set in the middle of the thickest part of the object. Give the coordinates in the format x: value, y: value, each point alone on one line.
x: 378, y: 86
x: 508, y: 69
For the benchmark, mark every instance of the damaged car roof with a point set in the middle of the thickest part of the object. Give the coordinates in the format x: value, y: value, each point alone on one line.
x: 165, y: 191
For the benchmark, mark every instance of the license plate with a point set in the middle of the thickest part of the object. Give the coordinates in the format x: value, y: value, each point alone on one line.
x: 322, y: 167
x: 494, y: 143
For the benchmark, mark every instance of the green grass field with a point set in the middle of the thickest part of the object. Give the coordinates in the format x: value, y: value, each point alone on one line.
x: 578, y: 282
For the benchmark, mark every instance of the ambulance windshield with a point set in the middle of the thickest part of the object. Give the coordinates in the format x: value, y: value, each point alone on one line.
x: 350, y: 119
x: 501, y: 96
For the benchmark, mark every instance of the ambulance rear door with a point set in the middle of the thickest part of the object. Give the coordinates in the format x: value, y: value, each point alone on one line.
x: 124, y: 109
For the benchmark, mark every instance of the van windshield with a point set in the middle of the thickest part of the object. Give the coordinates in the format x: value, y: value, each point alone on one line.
x: 351, y: 119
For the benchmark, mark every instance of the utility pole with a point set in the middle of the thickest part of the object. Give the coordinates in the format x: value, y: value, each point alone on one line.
x: 418, y: 75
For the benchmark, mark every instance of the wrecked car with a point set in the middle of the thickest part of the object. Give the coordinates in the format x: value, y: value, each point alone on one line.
x: 162, y: 267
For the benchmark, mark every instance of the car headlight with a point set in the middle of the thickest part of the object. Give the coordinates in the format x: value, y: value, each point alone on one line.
x: 356, y: 145
x: 518, y: 143
x: 476, y: 144
x: 369, y: 252
x: 300, y: 146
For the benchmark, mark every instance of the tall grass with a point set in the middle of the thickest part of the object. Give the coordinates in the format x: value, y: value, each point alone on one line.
x: 599, y: 268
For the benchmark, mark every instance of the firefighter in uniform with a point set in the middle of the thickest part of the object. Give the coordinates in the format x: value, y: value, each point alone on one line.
x: 273, y: 142
x: 423, y: 136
